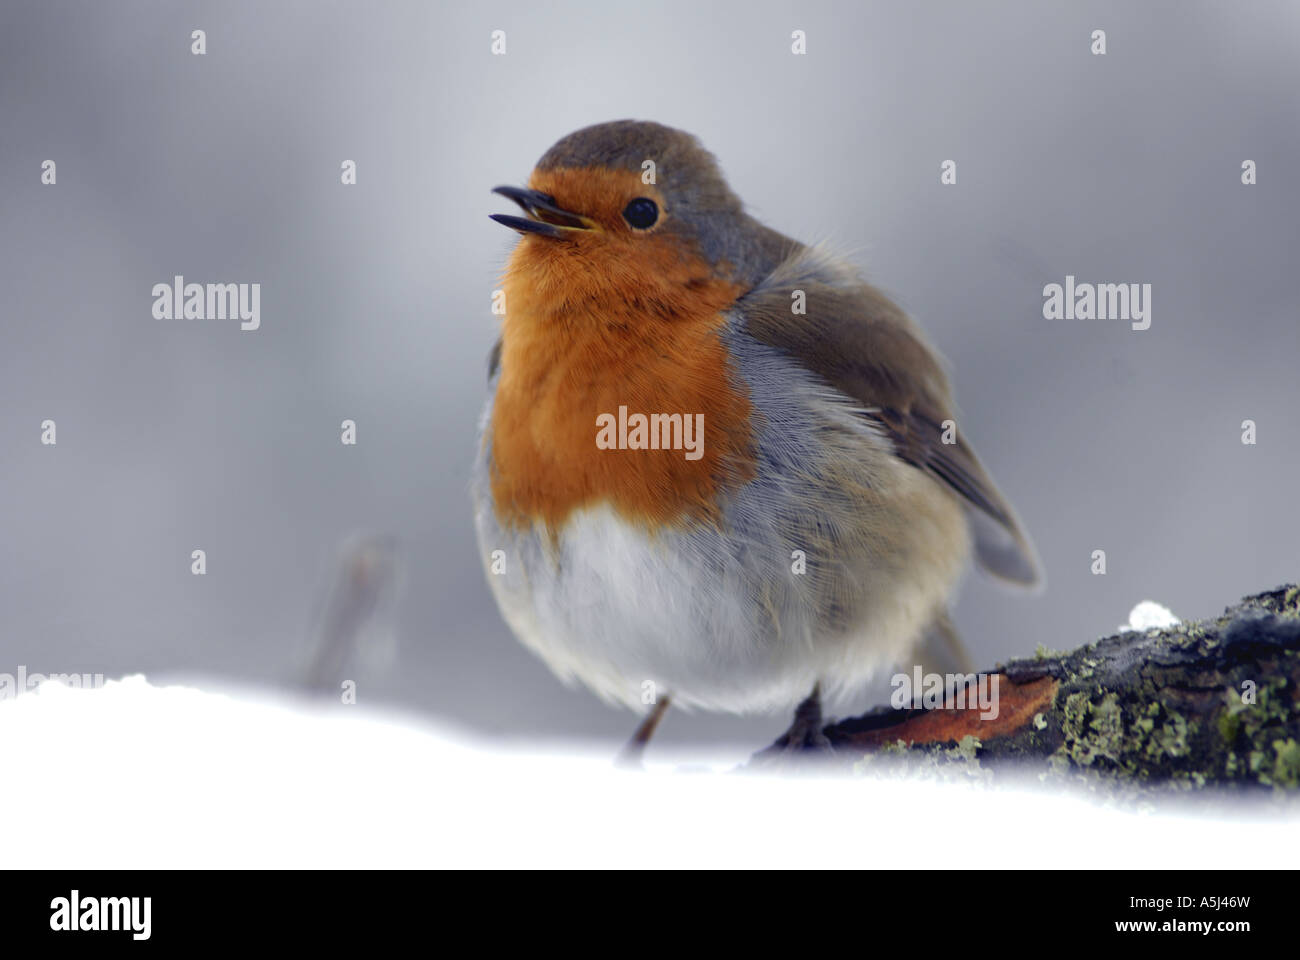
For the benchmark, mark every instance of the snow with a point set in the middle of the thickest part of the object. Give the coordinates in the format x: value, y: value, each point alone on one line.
x: 1149, y: 615
x: 135, y: 775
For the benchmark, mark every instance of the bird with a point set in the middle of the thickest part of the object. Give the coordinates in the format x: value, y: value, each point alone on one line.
x: 716, y: 468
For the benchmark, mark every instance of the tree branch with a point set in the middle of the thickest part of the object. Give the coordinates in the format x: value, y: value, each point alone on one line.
x: 1208, y: 702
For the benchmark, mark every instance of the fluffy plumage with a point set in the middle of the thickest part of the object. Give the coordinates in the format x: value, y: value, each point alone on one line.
x: 823, y: 447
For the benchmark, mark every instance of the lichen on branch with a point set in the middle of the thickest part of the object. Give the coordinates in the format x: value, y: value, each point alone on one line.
x: 1198, y: 704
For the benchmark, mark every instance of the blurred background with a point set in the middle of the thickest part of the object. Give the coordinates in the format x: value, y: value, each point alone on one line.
x: 177, y: 435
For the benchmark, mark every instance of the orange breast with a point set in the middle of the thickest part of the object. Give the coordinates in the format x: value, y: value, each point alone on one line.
x: 628, y: 322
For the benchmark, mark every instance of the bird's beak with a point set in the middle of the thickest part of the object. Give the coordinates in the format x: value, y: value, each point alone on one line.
x: 544, y: 217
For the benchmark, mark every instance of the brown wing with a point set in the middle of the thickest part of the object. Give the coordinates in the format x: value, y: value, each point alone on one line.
x: 861, y: 343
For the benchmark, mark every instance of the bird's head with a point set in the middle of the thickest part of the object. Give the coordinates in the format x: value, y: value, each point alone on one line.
x: 629, y: 207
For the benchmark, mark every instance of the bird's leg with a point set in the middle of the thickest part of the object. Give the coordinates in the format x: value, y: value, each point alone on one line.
x: 630, y: 755
x: 805, y: 731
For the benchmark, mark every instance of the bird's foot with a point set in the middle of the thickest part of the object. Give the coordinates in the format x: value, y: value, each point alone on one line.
x: 805, y: 739
x: 630, y: 756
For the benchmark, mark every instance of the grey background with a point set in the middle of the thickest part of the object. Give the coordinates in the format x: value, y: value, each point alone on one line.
x: 375, y: 299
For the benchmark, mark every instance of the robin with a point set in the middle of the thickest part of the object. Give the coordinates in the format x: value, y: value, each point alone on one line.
x: 717, y: 468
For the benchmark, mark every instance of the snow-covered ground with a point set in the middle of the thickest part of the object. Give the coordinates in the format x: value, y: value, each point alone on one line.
x: 134, y: 775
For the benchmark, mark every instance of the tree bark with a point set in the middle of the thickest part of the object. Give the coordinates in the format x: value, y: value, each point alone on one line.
x: 1197, y: 704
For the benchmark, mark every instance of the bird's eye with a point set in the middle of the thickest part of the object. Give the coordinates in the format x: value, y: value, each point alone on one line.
x: 641, y: 213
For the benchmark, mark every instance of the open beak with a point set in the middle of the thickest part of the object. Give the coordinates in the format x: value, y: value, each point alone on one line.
x: 544, y: 217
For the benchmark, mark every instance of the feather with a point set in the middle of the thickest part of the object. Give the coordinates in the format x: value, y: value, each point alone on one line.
x: 861, y: 343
